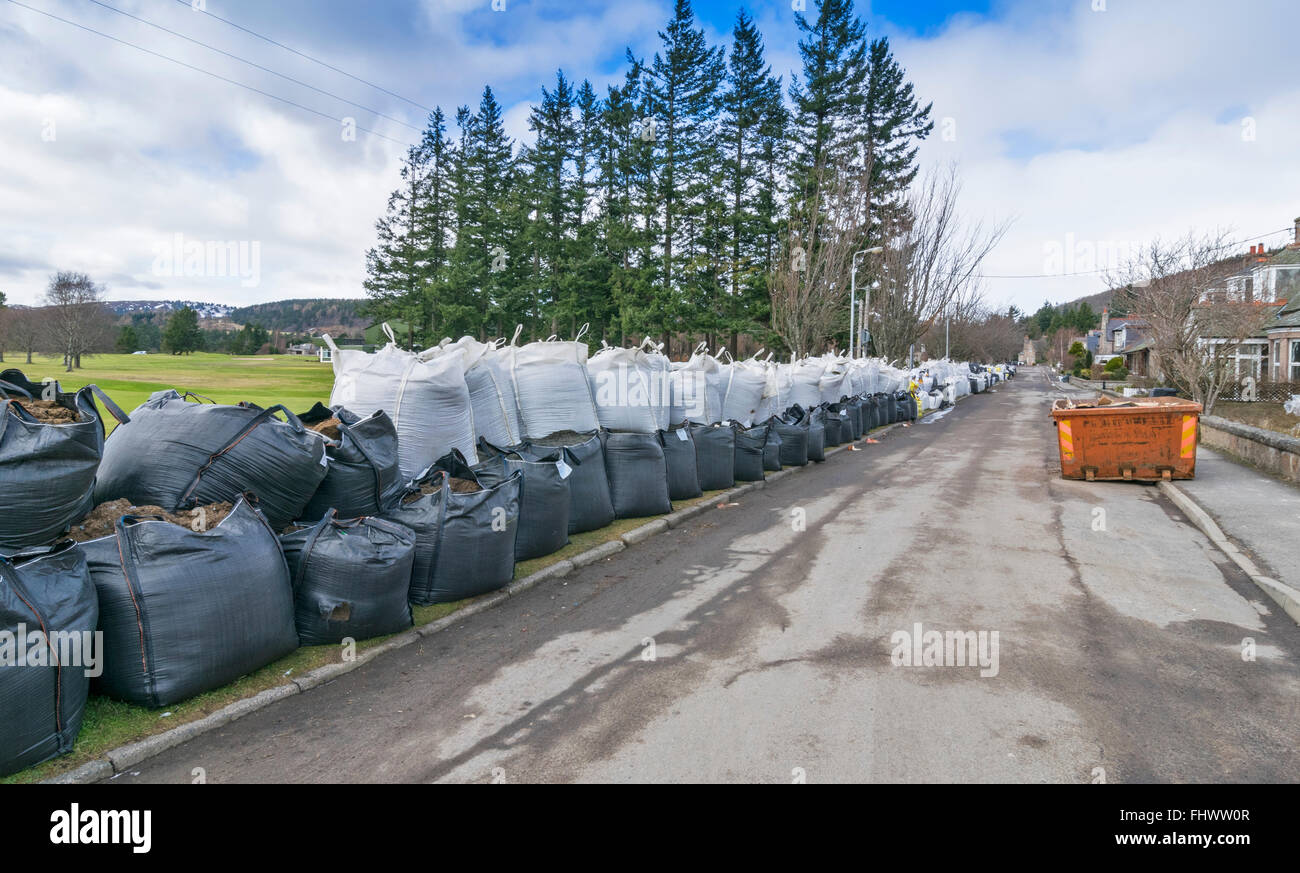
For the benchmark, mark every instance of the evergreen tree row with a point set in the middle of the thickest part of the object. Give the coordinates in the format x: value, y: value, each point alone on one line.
x: 659, y: 208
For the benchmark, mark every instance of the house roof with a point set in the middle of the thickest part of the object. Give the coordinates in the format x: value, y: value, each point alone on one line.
x: 1288, y: 320
x: 1145, y: 344
x: 1288, y: 255
x: 1127, y: 322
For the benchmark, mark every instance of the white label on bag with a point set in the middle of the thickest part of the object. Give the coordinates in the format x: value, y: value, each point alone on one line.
x: 681, y: 435
x: 564, y: 468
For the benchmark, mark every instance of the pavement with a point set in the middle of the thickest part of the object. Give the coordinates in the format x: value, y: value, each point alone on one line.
x: 777, y: 640
x: 1259, y: 512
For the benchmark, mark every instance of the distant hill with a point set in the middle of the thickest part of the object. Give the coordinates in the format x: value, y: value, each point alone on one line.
x: 303, y: 316
x: 205, y: 310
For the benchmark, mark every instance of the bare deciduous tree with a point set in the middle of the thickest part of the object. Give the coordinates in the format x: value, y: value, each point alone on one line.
x: 24, y: 330
x: 931, y: 257
x: 1196, y: 323
x: 970, y: 330
x: 75, y: 320
x: 810, y: 286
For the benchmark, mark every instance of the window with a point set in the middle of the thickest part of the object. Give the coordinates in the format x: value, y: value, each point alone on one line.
x: 1295, y: 361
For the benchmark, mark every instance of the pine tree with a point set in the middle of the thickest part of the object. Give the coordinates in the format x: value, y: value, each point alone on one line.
x: 487, y: 261
x: 397, y: 267
x: 182, y: 335
x: 435, y: 308
x: 892, y: 124
x: 547, y: 190
x: 827, y: 100
x: 753, y: 122
x: 681, y: 91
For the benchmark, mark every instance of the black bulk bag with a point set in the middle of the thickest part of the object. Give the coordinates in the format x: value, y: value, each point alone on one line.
x: 906, y: 406
x: 47, y: 471
x: 715, y: 455
x: 464, y: 541
x: 852, y: 409
x: 870, y: 414
x: 888, y: 408
x: 812, y: 426
x: 350, y: 578
x: 749, y: 452
x: 183, y: 611
x: 590, y: 507
x: 679, y: 458
x: 772, y: 448
x: 45, y: 592
x: 179, y: 455
x: 794, y: 438
x: 363, y: 476
x: 638, y: 475
x: 544, y: 500
x: 830, y: 422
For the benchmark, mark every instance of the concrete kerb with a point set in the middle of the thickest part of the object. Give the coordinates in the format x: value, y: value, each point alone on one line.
x: 1284, y: 595
x: 118, y: 760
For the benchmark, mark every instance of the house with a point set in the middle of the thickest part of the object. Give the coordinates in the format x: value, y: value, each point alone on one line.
x: 1137, y: 358
x: 1092, y: 342
x: 1028, y: 356
x: 301, y: 349
x: 1273, y: 281
x: 1115, y: 334
x: 1281, y: 276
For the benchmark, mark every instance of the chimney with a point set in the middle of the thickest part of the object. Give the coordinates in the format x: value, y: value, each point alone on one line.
x: 1297, y: 233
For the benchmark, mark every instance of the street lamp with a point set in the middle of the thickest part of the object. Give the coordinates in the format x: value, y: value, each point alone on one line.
x: 853, y: 294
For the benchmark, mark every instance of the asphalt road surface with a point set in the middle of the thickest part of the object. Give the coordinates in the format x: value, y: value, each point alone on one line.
x: 758, y: 644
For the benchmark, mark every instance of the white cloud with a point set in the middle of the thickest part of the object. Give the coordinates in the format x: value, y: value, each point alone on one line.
x: 1111, y: 126
x: 1114, y: 126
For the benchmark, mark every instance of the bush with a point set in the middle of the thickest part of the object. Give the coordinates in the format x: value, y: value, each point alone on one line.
x: 1115, y: 364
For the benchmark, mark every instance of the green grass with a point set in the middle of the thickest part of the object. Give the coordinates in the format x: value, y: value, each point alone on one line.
x: 295, y: 382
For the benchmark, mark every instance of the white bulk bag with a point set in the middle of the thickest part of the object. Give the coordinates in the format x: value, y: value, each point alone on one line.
x: 835, y: 383
x: 742, y: 394
x: 491, y: 391
x: 770, y: 404
x: 806, y: 382
x: 660, y: 368
x: 425, y: 395
x: 551, y: 390
x: 622, y: 383
x: 694, y: 389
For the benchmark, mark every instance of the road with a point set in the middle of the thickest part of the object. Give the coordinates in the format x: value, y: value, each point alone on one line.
x: 748, y: 647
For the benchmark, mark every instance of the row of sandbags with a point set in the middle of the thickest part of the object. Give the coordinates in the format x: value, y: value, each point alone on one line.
x: 185, y: 611
x: 450, y: 396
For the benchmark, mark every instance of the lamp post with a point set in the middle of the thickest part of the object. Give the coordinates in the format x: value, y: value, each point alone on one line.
x: 853, y: 295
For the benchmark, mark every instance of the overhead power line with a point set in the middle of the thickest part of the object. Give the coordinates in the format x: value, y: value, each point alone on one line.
x: 206, y: 72
x: 1227, y: 245
x: 300, y: 54
x: 256, y: 65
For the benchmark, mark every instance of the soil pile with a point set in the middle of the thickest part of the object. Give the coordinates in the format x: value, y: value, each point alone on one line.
x: 49, y: 412
x: 102, y: 521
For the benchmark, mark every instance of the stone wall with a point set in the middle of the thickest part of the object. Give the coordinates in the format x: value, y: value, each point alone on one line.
x: 1272, y: 452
